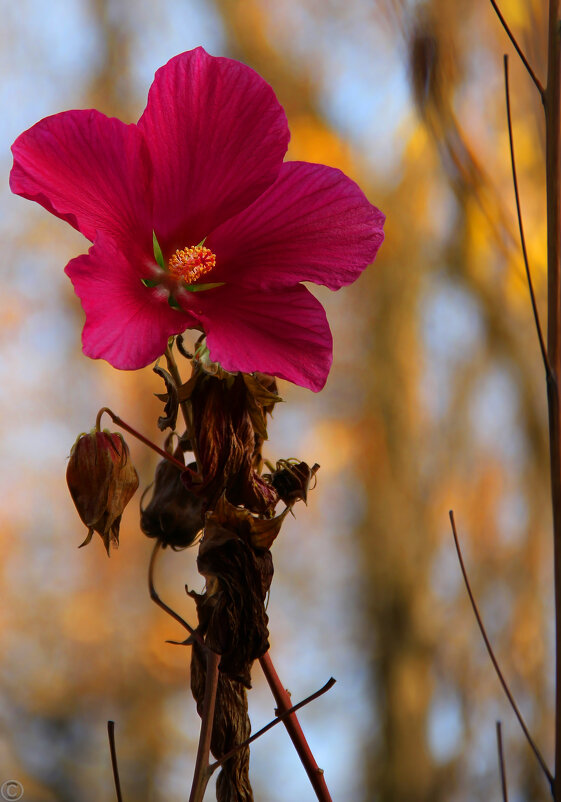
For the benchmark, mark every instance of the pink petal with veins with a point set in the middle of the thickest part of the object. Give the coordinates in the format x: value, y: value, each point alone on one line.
x: 283, y: 332
x: 312, y: 224
x: 88, y: 169
x: 217, y: 137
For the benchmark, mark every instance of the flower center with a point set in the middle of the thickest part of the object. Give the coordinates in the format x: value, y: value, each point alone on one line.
x: 190, y: 264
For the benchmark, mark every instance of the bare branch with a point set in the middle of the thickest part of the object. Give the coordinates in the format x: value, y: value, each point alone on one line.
x: 501, y: 761
x: 502, y: 680
x: 113, y: 751
x: 521, y: 228
x: 518, y: 49
x: 328, y: 685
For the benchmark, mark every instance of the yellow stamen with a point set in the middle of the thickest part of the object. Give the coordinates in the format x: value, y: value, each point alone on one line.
x: 190, y: 264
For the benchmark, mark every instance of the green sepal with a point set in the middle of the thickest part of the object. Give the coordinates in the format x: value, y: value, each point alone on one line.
x: 201, y: 287
x: 150, y: 282
x: 173, y: 303
x: 158, y: 256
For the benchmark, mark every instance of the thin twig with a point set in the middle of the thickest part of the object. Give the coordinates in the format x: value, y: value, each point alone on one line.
x: 113, y: 751
x: 501, y: 761
x: 116, y: 419
x: 282, y: 698
x: 502, y: 680
x: 518, y: 49
x: 202, y: 771
x: 328, y: 685
x: 155, y: 597
x: 552, y: 106
x: 521, y: 227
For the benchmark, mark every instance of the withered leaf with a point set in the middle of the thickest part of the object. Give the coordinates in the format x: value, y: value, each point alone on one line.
x: 258, y: 531
x: 169, y: 419
x: 232, y: 612
x: 261, y: 398
x: 181, y: 347
x: 174, y: 514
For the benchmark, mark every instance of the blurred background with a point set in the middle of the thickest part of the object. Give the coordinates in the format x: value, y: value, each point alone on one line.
x: 436, y: 401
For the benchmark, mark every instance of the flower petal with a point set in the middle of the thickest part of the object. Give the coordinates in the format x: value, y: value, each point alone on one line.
x: 312, y: 224
x: 282, y: 332
x: 127, y: 323
x: 88, y: 169
x: 217, y: 137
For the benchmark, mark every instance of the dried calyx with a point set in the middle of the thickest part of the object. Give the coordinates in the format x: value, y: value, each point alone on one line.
x: 102, y: 480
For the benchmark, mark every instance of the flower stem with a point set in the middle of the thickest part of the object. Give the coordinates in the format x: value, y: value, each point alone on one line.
x: 277, y: 720
x: 282, y: 698
x: 202, y: 774
x: 116, y: 419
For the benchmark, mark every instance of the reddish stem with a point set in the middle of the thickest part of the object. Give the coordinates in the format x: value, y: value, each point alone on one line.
x: 116, y: 419
x: 278, y: 720
x: 283, y: 701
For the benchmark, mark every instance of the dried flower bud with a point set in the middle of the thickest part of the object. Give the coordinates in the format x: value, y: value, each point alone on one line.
x: 102, y: 480
x: 292, y: 479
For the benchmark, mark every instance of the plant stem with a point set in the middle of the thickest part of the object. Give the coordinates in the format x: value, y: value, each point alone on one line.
x: 520, y: 224
x: 518, y: 49
x: 202, y: 774
x: 491, y: 653
x: 282, y: 699
x: 156, y: 598
x: 116, y: 419
x: 553, y: 183
x: 502, y: 768
x: 280, y: 718
x: 114, y: 765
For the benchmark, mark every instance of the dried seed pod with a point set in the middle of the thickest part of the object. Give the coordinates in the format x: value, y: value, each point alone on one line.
x: 292, y: 479
x: 102, y: 480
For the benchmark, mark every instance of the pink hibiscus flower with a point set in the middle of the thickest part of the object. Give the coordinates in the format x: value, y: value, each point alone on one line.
x: 197, y: 223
